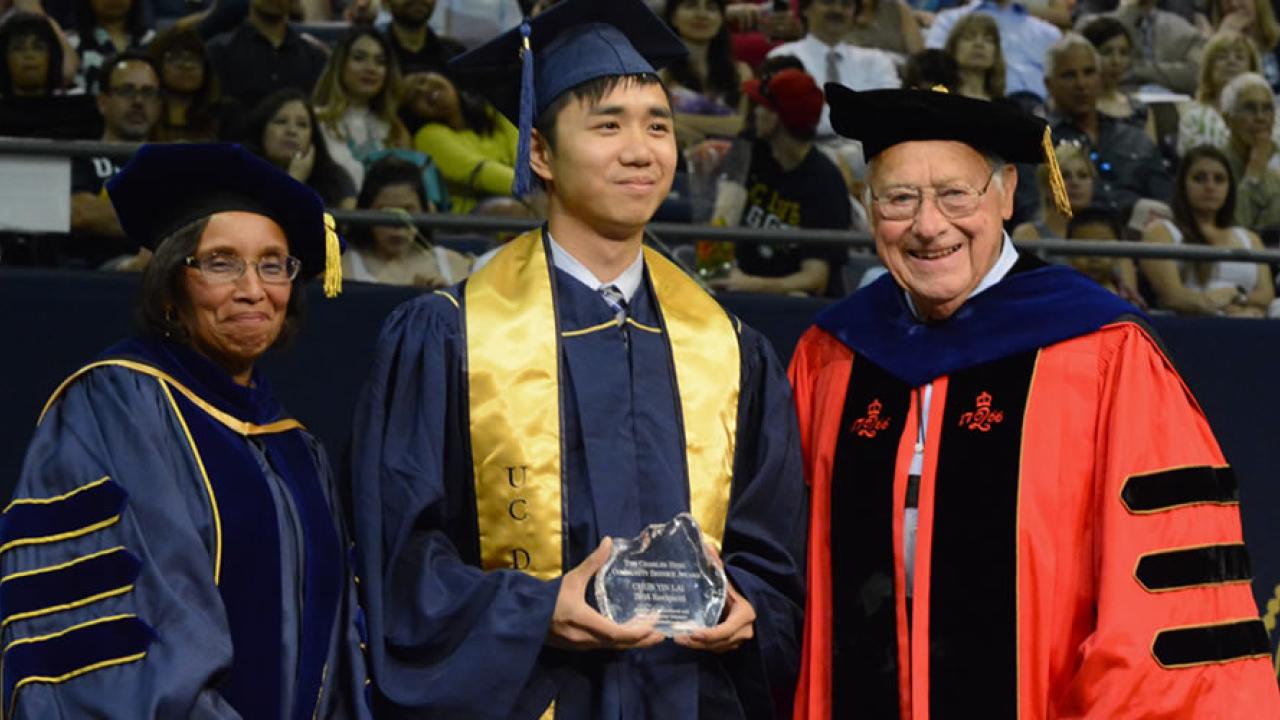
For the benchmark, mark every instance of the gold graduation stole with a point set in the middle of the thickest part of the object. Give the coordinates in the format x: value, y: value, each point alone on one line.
x: 513, y: 371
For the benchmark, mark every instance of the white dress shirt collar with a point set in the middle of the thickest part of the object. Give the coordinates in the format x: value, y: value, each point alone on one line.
x: 628, y: 282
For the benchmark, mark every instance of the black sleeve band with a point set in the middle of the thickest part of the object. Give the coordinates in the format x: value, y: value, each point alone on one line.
x: 1169, y: 489
x: 1185, y: 647
x: 1193, y: 567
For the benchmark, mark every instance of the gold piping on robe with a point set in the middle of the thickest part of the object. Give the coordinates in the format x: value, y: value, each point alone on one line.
x: 240, y: 426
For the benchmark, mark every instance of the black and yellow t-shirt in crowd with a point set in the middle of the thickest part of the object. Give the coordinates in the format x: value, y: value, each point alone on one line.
x: 811, y: 195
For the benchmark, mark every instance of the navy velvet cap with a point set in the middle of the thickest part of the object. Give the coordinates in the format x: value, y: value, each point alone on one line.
x: 573, y: 42
x: 884, y: 118
x: 166, y: 186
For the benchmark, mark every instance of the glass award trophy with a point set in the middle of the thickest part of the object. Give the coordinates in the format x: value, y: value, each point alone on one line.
x: 666, y: 574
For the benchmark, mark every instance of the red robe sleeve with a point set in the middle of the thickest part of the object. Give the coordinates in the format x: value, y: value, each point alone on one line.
x: 819, y: 374
x: 1138, y: 660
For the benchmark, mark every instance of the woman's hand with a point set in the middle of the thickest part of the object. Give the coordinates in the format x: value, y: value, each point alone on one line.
x: 1243, y: 311
x: 1236, y: 21
x: 301, y: 163
x: 1217, y: 299
x: 1131, y: 294
x: 1260, y: 153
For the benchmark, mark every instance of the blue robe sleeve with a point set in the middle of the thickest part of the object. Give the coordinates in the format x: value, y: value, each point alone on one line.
x: 444, y: 635
x: 765, y: 534
x: 108, y: 602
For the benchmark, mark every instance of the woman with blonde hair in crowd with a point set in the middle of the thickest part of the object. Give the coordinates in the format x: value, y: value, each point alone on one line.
x: 356, y: 100
x: 974, y: 42
x: 1226, y: 56
x: 1203, y: 202
x: 1256, y: 20
x: 1078, y: 175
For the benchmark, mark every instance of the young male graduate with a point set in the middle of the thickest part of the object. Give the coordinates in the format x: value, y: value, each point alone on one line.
x: 1019, y: 510
x: 578, y: 387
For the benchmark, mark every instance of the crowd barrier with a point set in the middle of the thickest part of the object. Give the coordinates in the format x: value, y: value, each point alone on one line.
x: 56, y: 321
x: 661, y: 233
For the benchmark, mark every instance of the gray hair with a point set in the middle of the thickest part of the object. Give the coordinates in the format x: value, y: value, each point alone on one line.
x: 1068, y: 42
x: 1232, y: 91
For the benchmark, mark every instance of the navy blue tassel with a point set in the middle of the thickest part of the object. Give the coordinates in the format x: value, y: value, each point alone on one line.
x: 521, y: 186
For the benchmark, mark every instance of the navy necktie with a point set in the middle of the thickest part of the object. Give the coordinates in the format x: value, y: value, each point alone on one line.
x: 616, y: 301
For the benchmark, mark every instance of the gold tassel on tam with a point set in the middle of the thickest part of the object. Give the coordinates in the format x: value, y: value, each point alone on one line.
x: 332, y: 258
x: 1060, y: 199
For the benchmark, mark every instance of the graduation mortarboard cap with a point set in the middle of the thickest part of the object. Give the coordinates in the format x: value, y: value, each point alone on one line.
x: 880, y: 119
x: 524, y: 70
x: 167, y: 186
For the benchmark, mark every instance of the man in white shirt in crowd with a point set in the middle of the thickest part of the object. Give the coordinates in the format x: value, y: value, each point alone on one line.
x: 828, y: 58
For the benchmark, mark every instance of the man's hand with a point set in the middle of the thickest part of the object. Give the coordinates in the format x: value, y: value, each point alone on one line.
x: 737, y: 627
x: 575, y: 625
x: 737, y: 281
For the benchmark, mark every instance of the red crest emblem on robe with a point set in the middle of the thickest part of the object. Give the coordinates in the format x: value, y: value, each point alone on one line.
x: 982, y: 417
x: 870, y: 424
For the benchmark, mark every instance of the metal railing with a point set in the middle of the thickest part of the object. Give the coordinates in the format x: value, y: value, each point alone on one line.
x: 677, y: 232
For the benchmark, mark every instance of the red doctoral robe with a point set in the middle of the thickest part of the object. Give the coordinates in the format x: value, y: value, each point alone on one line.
x: 1079, y: 550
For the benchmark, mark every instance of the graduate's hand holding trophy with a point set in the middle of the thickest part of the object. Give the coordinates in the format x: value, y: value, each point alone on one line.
x: 666, y: 582
x: 575, y: 625
x: 669, y: 577
x: 737, y: 627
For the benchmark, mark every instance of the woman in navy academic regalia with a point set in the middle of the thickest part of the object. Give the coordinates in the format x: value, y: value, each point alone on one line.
x: 173, y: 549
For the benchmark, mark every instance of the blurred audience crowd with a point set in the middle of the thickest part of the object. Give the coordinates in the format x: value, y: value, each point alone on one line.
x: 1162, y: 115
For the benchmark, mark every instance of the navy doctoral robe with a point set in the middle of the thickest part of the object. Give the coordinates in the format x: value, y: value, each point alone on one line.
x: 135, y: 588
x: 449, y: 640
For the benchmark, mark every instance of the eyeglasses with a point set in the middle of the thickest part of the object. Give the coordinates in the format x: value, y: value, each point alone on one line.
x: 225, y: 268
x: 133, y: 92
x: 953, y: 201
